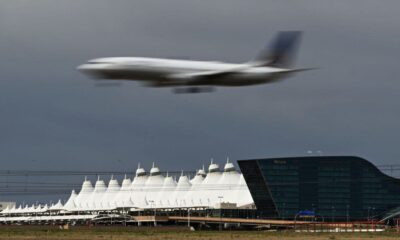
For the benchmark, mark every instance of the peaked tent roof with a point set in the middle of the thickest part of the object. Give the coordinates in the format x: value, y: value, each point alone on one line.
x: 97, y: 194
x: 193, y: 196
x: 5, y: 211
x: 178, y: 197
x: 167, y: 189
x: 57, y: 207
x: 155, y: 191
x: 152, y: 186
x: 70, y: 204
x: 243, y: 193
x: 228, y: 184
x: 138, y: 188
x: 82, y: 198
x: 122, y: 199
x: 209, y: 189
x: 108, y: 199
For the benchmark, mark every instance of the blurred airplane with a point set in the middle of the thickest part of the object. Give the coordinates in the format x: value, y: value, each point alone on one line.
x: 271, y: 65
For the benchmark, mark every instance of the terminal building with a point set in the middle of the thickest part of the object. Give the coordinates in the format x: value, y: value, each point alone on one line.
x: 334, y: 188
x: 324, y: 188
x: 146, y: 192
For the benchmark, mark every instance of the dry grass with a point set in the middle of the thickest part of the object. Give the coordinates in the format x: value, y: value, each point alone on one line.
x: 170, y: 233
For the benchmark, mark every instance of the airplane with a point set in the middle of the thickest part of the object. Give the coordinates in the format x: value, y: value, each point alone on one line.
x: 187, y: 76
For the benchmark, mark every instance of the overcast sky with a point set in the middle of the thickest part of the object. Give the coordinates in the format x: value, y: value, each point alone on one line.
x: 54, y: 118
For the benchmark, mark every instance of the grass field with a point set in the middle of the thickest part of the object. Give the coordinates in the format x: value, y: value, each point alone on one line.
x: 172, y: 233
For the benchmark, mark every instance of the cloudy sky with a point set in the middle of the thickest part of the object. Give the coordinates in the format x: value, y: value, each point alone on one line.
x: 54, y: 118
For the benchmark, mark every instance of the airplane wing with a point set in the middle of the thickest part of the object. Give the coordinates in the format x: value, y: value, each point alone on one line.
x: 208, y: 77
x: 218, y: 73
x: 196, y: 77
x: 205, y: 77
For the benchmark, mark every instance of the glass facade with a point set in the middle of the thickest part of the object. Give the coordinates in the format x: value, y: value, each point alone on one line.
x: 336, y: 188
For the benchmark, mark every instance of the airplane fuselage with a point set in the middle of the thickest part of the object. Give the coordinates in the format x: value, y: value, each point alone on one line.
x: 270, y: 65
x: 169, y: 72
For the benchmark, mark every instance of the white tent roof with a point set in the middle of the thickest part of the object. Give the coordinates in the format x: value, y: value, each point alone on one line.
x: 11, y: 210
x: 25, y: 209
x: 192, y: 197
x: 18, y: 210
x: 228, y: 184
x: 154, y: 191
x: 108, y: 199
x: 70, y: 204
x: 6, y: 210
x: 97, y: 194
x: 31, y: 209
x: 38, y: 209
x: 44, y: 208
x: 138, y: 188
x: 123, y: 197
x: 152, y: 186
x: 243, y: 193
x: 209, y: 188
x: 81, y: 200
x: 178, y: 197
x: 167, y: 189
x: 199, y: 177
x: 57, y: 207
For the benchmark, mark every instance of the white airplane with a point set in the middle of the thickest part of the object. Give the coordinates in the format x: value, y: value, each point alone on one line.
x: 271, y: 65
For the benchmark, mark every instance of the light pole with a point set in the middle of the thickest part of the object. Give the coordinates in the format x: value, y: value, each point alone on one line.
x: 371, y: 214
x: 155, y: 214
x: 220, y: 212
x: 188, y: 217
x: 154, y: 205
x: 125, y: 215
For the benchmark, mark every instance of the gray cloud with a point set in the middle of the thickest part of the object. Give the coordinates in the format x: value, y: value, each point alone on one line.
x: 55, y: 116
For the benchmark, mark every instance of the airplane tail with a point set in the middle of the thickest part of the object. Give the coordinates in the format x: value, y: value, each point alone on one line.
x: 282, y: 51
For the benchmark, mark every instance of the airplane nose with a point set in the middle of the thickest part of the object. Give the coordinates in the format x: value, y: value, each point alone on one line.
x: 83, y: 67
x: 89, y: 70
x: 96, y: 71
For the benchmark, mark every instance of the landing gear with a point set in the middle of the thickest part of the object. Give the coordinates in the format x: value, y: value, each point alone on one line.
x: 193, y: 90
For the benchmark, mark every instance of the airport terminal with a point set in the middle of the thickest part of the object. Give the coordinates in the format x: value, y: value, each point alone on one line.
x: 278, y: 192
x: 336, y: 188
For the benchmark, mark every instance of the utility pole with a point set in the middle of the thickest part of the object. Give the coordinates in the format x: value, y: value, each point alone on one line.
x: 155, y: 215
x: 188, y: 217
x: 220, y: 212
x: 153, y: 204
